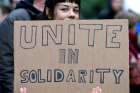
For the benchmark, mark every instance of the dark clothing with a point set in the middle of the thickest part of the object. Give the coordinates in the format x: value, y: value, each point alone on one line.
x: 24, y: 11
x: 108, y: 13
x: 33, y: 12
x: 0, y: 88
x: 135, y: 89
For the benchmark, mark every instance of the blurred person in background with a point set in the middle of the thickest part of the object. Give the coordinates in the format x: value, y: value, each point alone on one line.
x: 24, y: 10
x: 39, y: 4
x: 138, y: 32
x: 15, y: 2
x: 134, y: 59
x: 5, y: 8
x: 114, y: 6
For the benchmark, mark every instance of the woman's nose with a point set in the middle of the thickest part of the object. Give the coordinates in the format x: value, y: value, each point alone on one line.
x: 71, y: 14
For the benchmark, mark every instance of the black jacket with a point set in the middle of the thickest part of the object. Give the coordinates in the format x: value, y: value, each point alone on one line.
x: 23, y: 11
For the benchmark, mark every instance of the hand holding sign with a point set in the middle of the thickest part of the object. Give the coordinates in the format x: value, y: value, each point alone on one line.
x: 23, y: 90
x: 95, y: 90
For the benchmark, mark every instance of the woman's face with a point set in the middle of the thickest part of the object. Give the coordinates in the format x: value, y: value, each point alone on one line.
x: 117, y: 5
x: 66, y: 11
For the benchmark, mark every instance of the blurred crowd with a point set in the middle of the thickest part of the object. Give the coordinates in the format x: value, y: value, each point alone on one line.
x: 6, y: 6
x: 115, y: 10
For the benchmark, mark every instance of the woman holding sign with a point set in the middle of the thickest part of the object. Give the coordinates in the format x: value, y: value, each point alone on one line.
x: 58, y: 10
x: 62, y: 10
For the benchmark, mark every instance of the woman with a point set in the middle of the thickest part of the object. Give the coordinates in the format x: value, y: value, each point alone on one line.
x: 63, y: 10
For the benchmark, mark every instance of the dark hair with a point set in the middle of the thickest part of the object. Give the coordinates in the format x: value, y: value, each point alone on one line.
x: 50, y: 4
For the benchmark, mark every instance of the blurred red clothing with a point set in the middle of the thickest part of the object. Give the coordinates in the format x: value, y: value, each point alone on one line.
x: 134, y: 60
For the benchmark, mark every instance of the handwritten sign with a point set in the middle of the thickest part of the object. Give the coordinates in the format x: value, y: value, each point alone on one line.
x: 71, y: 56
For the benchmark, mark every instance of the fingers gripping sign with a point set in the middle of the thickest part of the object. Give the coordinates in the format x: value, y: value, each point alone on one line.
x: 23, y: 90
x: 97, y: 90
x: 94, y: 90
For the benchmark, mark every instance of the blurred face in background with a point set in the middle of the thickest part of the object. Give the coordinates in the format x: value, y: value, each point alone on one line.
x: 66, y: 11
x: 39, y: 4
x: 117, y: 5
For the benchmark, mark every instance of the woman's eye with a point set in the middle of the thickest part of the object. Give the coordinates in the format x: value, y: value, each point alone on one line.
x: 76, y: 10
x: 64, y: 9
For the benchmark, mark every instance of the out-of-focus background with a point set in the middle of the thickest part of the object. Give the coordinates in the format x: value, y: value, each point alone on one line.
x: 105, y: 9
x: 91, y: 8
x: 6, y: 6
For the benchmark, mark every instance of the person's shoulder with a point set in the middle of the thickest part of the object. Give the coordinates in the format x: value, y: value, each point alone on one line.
x: 19, y: 14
